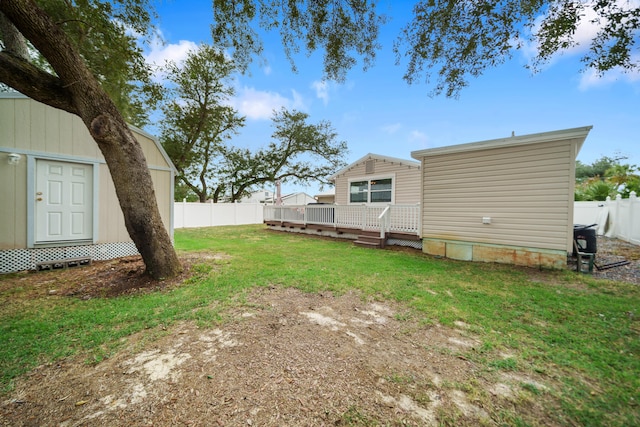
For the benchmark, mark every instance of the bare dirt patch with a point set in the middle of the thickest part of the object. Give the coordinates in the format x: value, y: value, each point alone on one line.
x: 101, y: 279
x: 284, y: 357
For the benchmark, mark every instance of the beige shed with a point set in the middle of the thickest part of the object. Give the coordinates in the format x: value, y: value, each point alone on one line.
x: 506, y: 200
x: 59, y: 207
x: 376, y: 179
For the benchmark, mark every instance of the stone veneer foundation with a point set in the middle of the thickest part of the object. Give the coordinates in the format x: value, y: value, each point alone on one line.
x: 473, y: 251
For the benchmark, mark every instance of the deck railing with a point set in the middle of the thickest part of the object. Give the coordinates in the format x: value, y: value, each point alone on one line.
x: 396, y: 218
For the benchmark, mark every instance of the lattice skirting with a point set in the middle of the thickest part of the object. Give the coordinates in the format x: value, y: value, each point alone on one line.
x: 13, y: 260
x: 417, y: 244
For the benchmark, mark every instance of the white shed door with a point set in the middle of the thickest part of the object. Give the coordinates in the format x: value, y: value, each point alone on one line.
x: 64, y: 201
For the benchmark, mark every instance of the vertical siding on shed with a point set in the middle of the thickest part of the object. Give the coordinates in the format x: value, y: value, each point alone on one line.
x: 154, y: 157
x: 7, y: 124
x: 53, y: 141
x: 32, y: 126
x: 406, y: 185
x: 162, y: 184
x: 111, y: 221
x: 13, y: 204
x: 39, y: 130
x: 522, y: 189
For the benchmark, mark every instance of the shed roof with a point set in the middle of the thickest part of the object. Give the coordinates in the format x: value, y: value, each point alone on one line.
x: 580, y: 134
x: 371, y: 156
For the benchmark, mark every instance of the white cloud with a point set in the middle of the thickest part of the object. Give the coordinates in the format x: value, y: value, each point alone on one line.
x: 259, y: 105
x: 160, y: 53
x: 591, y: 79
x: 418, y: 137
x: 392, y: 128
x: 322, y: 90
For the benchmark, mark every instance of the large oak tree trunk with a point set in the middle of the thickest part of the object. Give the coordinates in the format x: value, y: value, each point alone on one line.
x: 76, y: 90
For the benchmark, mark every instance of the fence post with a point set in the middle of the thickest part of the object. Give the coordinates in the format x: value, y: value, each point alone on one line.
x: 616, y: 225
x: 235, y: 213
x: 633, y: 201
x: 184, y: 212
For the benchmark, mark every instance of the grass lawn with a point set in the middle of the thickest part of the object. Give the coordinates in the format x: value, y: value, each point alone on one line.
x: 577, y: 331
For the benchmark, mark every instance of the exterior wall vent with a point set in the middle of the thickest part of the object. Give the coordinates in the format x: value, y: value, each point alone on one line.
x: 370, y: 166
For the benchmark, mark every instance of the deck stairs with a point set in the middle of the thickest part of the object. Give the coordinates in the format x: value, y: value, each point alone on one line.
x: 370, y: 239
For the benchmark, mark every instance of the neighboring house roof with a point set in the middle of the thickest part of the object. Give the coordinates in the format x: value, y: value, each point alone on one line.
x: 580, y: 134
x: 260, y: 195
x: 292, y: 195
x: 295, y: 196
x: 328, y: 193
x: 378, y: 157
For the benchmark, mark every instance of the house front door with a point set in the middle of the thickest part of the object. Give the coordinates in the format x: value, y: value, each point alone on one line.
x: 64, y: 201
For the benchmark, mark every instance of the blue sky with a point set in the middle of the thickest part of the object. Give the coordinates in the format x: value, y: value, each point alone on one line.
x: 376, y: 111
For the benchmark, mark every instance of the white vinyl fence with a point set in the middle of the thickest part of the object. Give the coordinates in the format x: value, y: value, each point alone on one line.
x: 619, y: 218
x: 193, y: 214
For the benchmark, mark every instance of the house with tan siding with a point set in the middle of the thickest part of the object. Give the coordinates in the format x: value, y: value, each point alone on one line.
x: 59, y: 207
x: 506, y: 200
x: 376, y: 179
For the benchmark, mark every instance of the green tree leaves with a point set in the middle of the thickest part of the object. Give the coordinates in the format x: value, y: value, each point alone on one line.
x: 605, y: 177
x: 454, y: 41
x: 197, y: 119
x: 198, y: 126
x: 342, y: 30
x: 300, y: 152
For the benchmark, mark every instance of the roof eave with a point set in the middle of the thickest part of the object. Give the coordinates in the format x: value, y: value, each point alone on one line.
x: 579, y: 133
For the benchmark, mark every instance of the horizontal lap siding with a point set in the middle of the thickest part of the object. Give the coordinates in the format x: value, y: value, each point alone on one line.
x: 407, y: 181
x: 522, y: 189
x: 407, y: 186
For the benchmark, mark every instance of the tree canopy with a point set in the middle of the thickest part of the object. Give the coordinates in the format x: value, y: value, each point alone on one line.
x: 197, y: 121
x: 455, y: 40
x: 107, y: 35
x: 342, y: 30
x: 606, y: 177
x: 300, y: 152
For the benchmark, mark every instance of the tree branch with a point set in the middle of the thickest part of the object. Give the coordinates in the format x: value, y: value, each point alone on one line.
x: 53, y: 44
x: 35, y: 83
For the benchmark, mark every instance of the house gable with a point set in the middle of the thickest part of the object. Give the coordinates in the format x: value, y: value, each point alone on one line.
x: 404, y: 176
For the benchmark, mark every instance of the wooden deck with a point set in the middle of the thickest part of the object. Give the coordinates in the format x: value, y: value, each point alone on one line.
x: 370, y: 238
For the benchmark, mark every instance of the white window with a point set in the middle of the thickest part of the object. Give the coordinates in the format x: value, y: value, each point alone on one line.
x: 371, y: 191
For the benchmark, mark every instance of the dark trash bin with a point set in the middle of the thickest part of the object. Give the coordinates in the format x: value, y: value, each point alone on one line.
x: 585, y: 238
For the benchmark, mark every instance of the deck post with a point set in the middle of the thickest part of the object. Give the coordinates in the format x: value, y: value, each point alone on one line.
x: 383, y: 221
x: 364, y: 217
